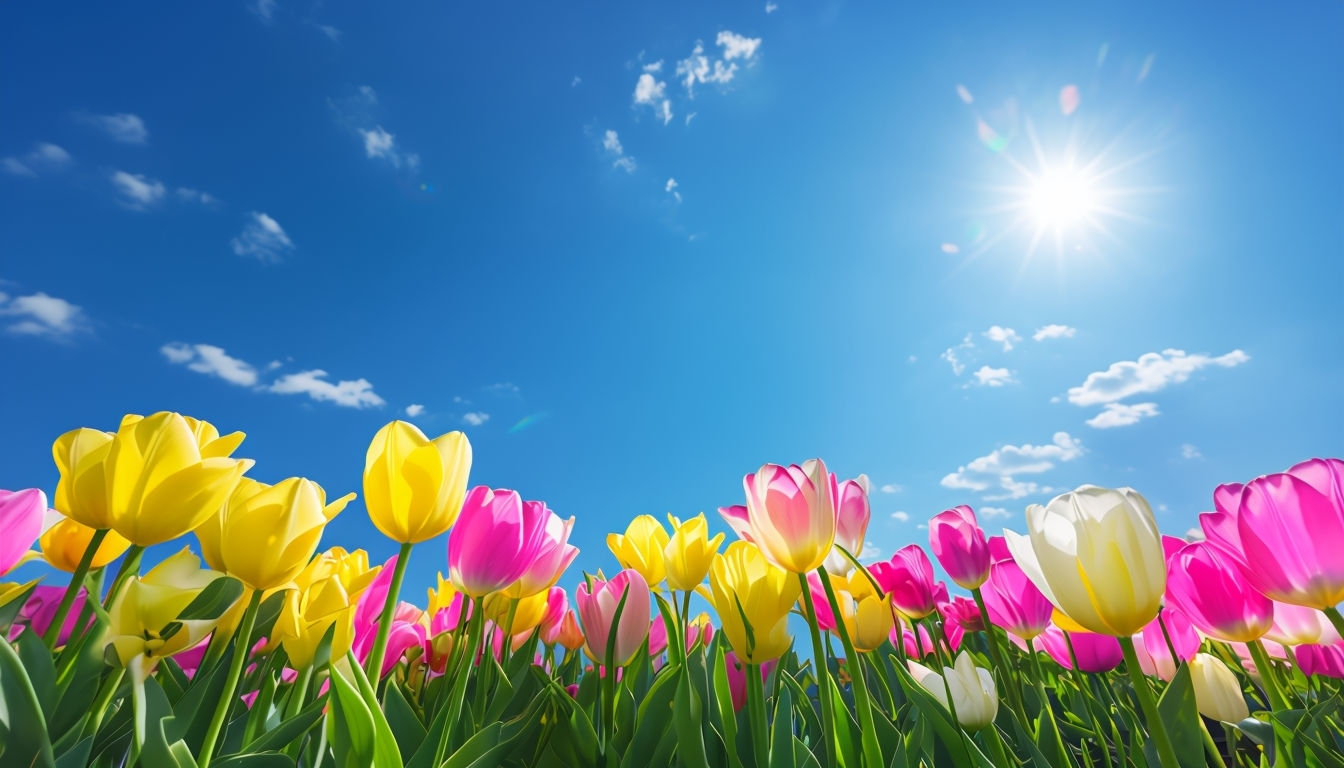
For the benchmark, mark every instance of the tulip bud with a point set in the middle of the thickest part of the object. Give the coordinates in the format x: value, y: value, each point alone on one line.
x: 598, y: 604
x: 414, y: 486
x: 64, y: 543
x: 974, y: 693
x: 790, y: 514
x: 495, y: 541
x: 642, y: 548
x: 1218, y: 695
x: 960, y: 546
x: 690, y: 552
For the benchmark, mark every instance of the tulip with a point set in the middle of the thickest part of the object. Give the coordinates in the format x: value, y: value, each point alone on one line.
x: 908, y: 578
x: 1095, y: 652
x: 963, y: 612
x: 1300, y: 625
x: 689, y: 552
x: 527, y: 613
x: 64, y: 543
x: 569, y: 635
x: 21, y: 514
x: 1151, y: 645
x: 413, y: 486
x: 151, y: 481
x: 598, y: 603
x: 327, y: 592
x: 960, y: 546
x: 852, y: 514
x: 753, y: 597
x: 642, y: 548
x: 866, y: 615
x: 998, y: 549
x: 553, y: 556
x: 405, y: 633
x: 40, y: 610
x: 1218, y: 695
x: 737, y: 678
x: 1097, y: 555
x: 1291, y: 527
x: 1324, y: 660
x: 495, y: 541
x: 149, y: 605
x: 790, y: 514
x: 918, y: 643
x: 266, y: 534
x: 1014, y: 602
x: 1208, y: 586
x: 974, y: 694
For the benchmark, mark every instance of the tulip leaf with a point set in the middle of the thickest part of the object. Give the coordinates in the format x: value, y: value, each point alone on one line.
x: 78, y: 755
x: 688, y: 721
x: 36, y: 660
x: 161, y: 748
x: 266, y: 760
x: 1180, y: 716
x: 781, y: 737
x: 23, y: 728
x: 213, y: 601
x: 290, y: 729
x: 723, y: 697
x: 359, y: 734
x: 654, y: 717
x: 405, y: 724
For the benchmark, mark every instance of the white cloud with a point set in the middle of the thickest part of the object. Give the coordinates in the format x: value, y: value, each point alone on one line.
x: 351, y: 394
x: 653, y: 92
x: 1000, y: 335
x: 892, y: 488
x: 950, y: 248
x: 1189, y: 451
x: 1194, y: 534
x: 138, y: 191
x: 212, y: 361
x: 271, y: 366
x: 264, y: 9
x: 771, y: 7
x: 626, y: 164
x: 869, y: 554
x: 656, y: 66
x: 737, y: 46
x: 378, y: 142
x: 42, y: 157
x: 671, y: 186
x: 611, y: 141
x: 951, y: 357
x: 38, y: 314
x: 575, y: 82
x: 993, y: 377
x: 1122, y: 415
x: 993, y: 512
x: 1150, y: 373
x: 475, y: 418
x: 997, y: 469
x: 900, y: 517
x: 1054, y: 331
x: 123, y: 127
x: 333, y: 34
x: 414, y: 409
x: 262, y: 238
x: 196, y: 196
x: 501, y: 388
x: 699, y: 68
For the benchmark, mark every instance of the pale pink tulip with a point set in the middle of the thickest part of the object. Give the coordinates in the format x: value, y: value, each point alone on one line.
x: 553, y: 557
x: 1153, y: 651
x: 790, y: 514
x: 495, y: 541
x: 597, y: 609
x: 960, y: 546
x: 1300, y: 625
x: 852, y: 514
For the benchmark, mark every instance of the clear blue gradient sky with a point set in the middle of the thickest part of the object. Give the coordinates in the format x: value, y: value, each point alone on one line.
x: 424, y: 202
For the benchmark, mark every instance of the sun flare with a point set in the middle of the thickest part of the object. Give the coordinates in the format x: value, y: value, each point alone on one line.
x: 1059, y: 198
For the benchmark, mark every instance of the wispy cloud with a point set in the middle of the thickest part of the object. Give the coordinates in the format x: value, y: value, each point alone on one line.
x: 1122, y: 415
x: 652, y: 92
x: 138, y: 192
x: 998, y: 469
x: 212, y: 361
x: 333, y: 34
x: 953, y: 355
x: 414, y: 409
x: 993, y: 377
x: 38, y: 314
x: 1053, y: 331
x: 869, y: 554
x: 360, y: 113
x: 350, y: 394
x: 700, y: 68
x: 196, y: 196
x: 671, y: 187
x: 42, y: 158
x: 1005, y: 336
x: 993, y: 512
x: 124, y: 127
x: 379, y: 143
x: 892, y: 488
x: 1189, y: 451
x: 1152, y: 372
x: 475, y: 418
x: 264, y: 10
x: 503, y: 388
x: 611, y: 142
x: 771, y: 7
x: 900, y: 517
x: 262, y: 238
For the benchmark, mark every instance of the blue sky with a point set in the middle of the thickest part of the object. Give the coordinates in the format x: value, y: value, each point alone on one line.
x: 302, y: 219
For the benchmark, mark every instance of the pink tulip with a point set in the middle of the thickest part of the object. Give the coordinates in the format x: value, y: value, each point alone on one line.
x: 1096, y: 653
x: 406, y: 631
x: 553, y: 557
x: 998, y: 549
x: 852, y: 514
x: 960, y: 546
x: 1014, y: 602
x: 1291, y: 527
x: 790, y: 514
x: 908, y: 578
x: 1324, y: 660
x: 1171, y: 545
x: 190, y: 660
x: 1300, y: 625
x: 40, y: 609
x: 21, y: 514
x: 963, y: 612
x: 1207, y: 585
x: 597, y: 610
x: 1151, y: 644
x: 553, y: 621
x: 737, y: 678
x: 923, y: 645
x: 495, y: 541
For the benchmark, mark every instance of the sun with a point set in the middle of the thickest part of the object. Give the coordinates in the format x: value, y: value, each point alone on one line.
x: 1061, y: 198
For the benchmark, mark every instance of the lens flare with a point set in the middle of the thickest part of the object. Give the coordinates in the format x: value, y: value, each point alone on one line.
x: 1061, y: 197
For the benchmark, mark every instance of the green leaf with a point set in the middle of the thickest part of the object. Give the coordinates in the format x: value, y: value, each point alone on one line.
x: 688, y: 721
x: 405, y: 724
x: 723, y: 698
x: 291, y: 730
x: 213, y: 601
x: 267, y: 760
x: 160, y: 748
x: 36, y: 659
x: 653, y: 718
x: 359, y: 734
x: 78, y: 755
x: 781, y: 736
x: 23, y: 728
x: 1180, y: 715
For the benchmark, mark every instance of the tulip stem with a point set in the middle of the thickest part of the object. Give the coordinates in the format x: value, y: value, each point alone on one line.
x: 1336, y: 619
x: 242, y: 645
x: 462, y: 669
x: 373, y: 666
x: 1156, y: 728
x: 130, y: 565
x: 100, y: 704
x: 76, y: 581
x: 823, y: 673
x: 872, y: 751
x: 1009, y: 681
x: 760, y: 735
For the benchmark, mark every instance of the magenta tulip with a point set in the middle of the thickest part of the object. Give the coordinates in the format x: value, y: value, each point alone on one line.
x: 406, y: 632
x: 1014, y: 602
x: 960, y: 546
x: 998, y: 549
x: 1291, y: 527
x: 1324, y: 660
x: 40, y: 610
x: 1096, y: 653
x: 1153, y: 651
x: 21, y: 514
x: 597, y: 609
x: 963, y: 612
x: 495, y: 541
x: 1208, y: 587
x: 553, y: 557
x: 908, y: 578
x: 737, y: 678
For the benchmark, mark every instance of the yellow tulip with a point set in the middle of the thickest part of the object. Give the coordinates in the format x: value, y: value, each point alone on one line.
x: 208, y: 439
x: 689, y: 552
x: 150, y: 481
x: 414, y: 486
x: 63, y: 545
x: 746, y: 586
x: 440, y: 596
x: 266, y: 534
x: 1097, y: 555
x: 526, y: 617
x: 641, y: 548
x: 146, y: 607
x: 327, y: 595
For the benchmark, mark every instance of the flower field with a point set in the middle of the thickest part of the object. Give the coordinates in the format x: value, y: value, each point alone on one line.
x: 1086, y: 639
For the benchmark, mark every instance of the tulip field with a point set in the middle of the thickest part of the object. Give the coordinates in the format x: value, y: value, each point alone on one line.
x: 1081, y: 636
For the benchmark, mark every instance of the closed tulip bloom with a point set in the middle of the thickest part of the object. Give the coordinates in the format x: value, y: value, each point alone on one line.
x: 554, y: 555
x: 1218, y: 695
x: 753, y: 597
x: 325, y: 597
x: 1014, y: 602
x: 689, y: 552
x: 527, y: 614
x: 39, y: 611
x: 642, y: 548
x: 852, y: 514
x: 790, y: 514
x: 974, y: 694
x: 737, y: 678
x: 866, y: 615
x: 598, y: 604
x: 1300, y: 625
x: 1207, y: 585
x: 414, y: 486
x: 21, y: 514
x: 82, y: 492
x: 64, y: 543
x: 208, y: 439
x: 266, y: 534
x: 496, y: 539
x: 1095, y: 652
x: 570, y: 635
x: 1097, y: 555
x: 1151, y: 645
x: 1291, y: 527
x: 147, y: 606
x: 908, y: 578
x: 964, y: 612
x: 960, y: 546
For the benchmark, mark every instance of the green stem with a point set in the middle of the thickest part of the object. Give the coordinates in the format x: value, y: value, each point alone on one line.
x: 760, y: 735
x: 130, y: 565
x: 72, y: 589
x: 242, y: 645
x: 1336, y: 619
x: 138, y: 705
x: 459, y: 689
x: 1156, y: 728
x: 100, y: 704
x: 872, y: 751
x: 823, y: 674
x: 373, y: 666
x: 506, y: 646
x: 1010, y: 684
x: 1267, y: 676
x: 685, y: 615
x: 996, y: 749
x: 1210, y: 746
